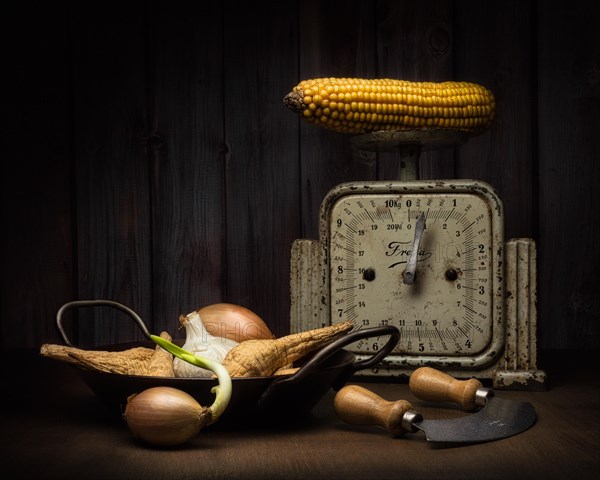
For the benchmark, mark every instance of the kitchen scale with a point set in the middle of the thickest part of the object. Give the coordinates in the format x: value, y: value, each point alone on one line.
x: 429, y: 257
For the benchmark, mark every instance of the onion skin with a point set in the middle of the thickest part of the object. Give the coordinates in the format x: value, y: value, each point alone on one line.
x: 165, y: 416
x: 234, y: 322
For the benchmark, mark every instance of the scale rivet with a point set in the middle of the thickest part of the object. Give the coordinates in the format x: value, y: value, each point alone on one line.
x: 369, y: 274
x: 451, y: 274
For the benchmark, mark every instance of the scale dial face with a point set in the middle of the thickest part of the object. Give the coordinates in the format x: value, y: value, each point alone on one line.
x: 425, y: 257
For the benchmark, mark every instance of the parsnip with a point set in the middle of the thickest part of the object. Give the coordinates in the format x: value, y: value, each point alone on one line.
x: 161, y: 362
x: 261, y: 358
x: 286, y: 371
x: 133, y: 361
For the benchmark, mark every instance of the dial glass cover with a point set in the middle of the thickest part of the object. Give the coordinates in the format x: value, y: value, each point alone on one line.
x: 447, y: 309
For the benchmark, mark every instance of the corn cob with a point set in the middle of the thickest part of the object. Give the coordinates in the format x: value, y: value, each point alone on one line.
x: 356, y: 105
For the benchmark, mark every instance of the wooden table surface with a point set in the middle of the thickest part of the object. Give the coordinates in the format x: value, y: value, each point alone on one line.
x: 54, y: 427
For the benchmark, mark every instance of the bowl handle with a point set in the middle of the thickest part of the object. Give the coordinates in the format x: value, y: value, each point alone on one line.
x: 97, y: 303
x: 341, y: 342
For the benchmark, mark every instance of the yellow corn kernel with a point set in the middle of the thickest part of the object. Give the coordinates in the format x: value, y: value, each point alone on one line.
x: 355, y: 105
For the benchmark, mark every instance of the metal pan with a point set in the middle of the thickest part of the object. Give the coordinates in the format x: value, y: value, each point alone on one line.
x: 254, y: 399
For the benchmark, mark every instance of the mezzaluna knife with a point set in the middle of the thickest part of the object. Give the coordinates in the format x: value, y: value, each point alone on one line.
x: 498, y: 418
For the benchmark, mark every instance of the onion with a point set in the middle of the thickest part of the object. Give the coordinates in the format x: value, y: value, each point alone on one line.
x: 165, y: 416
x: 234, y: 322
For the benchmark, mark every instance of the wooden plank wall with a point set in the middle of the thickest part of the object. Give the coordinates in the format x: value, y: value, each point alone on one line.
x: 151, y: 160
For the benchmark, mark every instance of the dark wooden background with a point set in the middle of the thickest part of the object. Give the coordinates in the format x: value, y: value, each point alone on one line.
x: 151, y: 161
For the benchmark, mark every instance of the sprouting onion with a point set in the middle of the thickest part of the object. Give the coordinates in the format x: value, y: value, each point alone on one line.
x: 168, y: 416
x: 222, y: 391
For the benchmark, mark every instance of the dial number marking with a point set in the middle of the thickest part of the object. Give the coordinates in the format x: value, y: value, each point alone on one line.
x: 447, y: 306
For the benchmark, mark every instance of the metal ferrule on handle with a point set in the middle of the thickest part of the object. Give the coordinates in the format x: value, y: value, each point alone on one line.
x: 410, y: 419
x: 482, y: 395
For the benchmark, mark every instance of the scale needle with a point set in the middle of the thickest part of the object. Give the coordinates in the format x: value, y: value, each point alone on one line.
x: 409, y: 274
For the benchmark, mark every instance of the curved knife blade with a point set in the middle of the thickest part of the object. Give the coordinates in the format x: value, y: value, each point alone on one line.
x: 499, y: 418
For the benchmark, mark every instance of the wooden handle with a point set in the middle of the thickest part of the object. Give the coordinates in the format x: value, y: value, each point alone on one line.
x: 358, y: 406
x: 429, y: 384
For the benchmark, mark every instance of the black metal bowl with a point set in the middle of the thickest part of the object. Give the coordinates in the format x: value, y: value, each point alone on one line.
x: 264, y: 399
